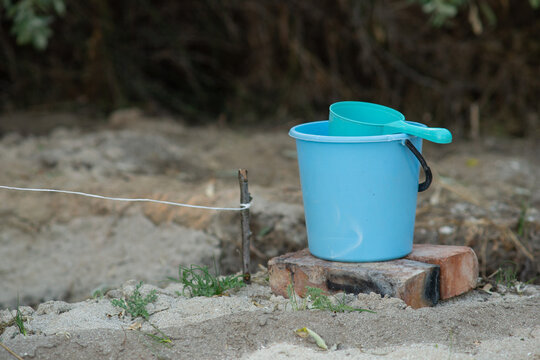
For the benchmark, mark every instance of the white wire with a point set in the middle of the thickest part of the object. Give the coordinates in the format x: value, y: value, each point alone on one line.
x: 242, y: 206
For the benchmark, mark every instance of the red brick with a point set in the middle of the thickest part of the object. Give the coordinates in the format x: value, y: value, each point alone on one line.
x: 459, y: 266
x: 415, y: 282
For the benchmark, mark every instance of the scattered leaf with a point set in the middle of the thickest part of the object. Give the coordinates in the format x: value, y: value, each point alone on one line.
x: 135, y: 326
x: 487, y: 288
x: 303, y: 332
x: 257, y: 304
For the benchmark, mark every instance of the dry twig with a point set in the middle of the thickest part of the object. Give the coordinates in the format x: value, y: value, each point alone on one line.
x: 11, y: 352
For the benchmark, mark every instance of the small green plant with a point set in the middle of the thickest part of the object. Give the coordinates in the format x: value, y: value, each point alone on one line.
x: 293, y: 300
x: 507, y: 274
x: 521, y: 220
x: 160, y: 337
x: 322, y: 302
x: 200, y: 282
x: 97, y: 294
x: 316, y: 299
x: 135, y: 305
x: 19, y: 321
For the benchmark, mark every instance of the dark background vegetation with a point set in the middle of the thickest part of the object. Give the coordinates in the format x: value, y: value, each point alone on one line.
x: 267, y: 61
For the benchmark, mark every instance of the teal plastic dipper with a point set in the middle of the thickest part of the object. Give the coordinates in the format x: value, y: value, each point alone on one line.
x: 357, y: 118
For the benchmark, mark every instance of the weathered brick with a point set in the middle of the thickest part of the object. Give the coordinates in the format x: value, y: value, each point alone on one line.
x: 459, y: 266
x: 415, y: 282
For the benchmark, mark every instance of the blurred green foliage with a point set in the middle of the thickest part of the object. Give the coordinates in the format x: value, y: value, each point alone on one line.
x: 32, y: 19
x: 248, y: 61
x: 441, y: 11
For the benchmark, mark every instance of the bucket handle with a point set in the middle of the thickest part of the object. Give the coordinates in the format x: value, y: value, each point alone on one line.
x: 427, y: 171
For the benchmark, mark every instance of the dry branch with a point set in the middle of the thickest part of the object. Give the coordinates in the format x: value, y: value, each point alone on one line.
x: 245, y: 198
x: 11, y: 352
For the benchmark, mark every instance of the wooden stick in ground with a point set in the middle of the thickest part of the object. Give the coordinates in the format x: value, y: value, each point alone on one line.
x: 11, y: 352
x: 245, y: 198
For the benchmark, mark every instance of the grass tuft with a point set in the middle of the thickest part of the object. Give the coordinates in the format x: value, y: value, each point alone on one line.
x: 19, y: 321
x: 322, y: 302
x: 522, y: 219
x: 160, y: 337
x: 135, y: 305
x: 507, y: 274
x: 293, y: 299
x: 98, y: 294
x: 200, y: 282
x: 316, y: 299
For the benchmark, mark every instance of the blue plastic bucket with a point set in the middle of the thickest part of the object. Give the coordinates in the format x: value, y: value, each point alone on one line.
x: 359, y: 192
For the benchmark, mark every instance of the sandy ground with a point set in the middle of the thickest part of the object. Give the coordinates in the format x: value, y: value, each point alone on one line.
x: 254, y: 324
x: 486, y: 195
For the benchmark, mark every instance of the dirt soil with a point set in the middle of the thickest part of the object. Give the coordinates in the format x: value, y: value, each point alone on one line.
x: 486, y: 194
x: 254, y: 324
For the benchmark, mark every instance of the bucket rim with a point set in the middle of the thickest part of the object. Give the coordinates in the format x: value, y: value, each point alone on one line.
x: 297, y: 133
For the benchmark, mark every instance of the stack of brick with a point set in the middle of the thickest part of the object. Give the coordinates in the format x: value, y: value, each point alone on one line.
x: 428, y: 274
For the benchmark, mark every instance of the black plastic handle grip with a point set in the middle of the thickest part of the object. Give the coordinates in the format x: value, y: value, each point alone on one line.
x: 427, y: 171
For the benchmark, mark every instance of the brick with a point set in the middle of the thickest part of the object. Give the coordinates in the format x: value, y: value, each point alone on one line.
x: 459, y: 266
x: 415, y: 282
